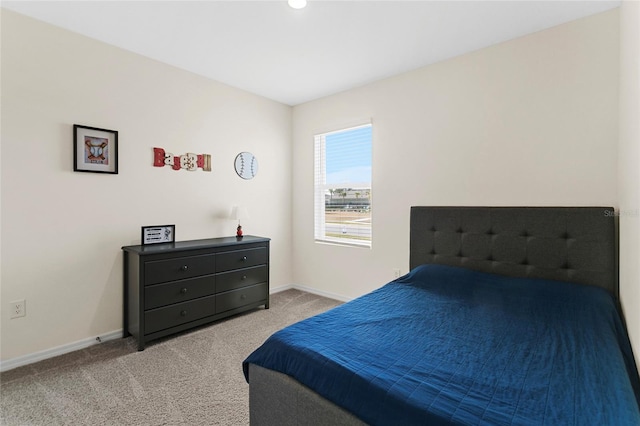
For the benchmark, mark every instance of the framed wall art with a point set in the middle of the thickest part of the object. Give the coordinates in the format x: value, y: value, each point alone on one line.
x: 95, y: 150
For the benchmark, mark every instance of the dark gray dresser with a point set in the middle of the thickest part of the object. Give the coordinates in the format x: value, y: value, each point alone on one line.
x: 173, y: 287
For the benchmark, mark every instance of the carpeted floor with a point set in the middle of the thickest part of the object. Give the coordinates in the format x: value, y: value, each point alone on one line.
x: 194, y: 378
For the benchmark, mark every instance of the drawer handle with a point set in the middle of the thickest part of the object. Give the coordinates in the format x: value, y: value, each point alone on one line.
x: 243, y: 296
x: 244, y: 277
x: 183, y: 313
x: 183, y: 291
x: 244, y: 258
x: 184, y: 267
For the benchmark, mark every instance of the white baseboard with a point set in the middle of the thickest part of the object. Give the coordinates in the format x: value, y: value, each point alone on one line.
x: 60, y: 350
x: 321, y: 293
x: 85, y: 343
x: 281, y: 288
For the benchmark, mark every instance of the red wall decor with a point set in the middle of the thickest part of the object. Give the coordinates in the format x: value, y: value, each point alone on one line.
x: 188, y: 161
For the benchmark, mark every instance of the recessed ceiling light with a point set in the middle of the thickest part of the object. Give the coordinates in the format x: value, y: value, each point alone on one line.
x: 297, y: 4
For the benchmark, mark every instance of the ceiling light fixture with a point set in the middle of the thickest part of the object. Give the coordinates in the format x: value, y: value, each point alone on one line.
x: 297, y: 4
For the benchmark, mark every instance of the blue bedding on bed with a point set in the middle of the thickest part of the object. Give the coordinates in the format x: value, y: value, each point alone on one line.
x: 445, y: 345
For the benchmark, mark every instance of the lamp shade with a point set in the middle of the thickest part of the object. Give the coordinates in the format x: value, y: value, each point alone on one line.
x: 239, y: 213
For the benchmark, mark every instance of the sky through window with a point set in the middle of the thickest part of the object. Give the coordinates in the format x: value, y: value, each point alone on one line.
x: 348, y: 156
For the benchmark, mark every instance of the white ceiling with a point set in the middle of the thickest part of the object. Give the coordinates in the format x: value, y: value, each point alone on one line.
x: 294, y: 56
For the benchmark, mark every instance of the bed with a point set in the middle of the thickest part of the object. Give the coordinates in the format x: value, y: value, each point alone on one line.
x: 509, y: 316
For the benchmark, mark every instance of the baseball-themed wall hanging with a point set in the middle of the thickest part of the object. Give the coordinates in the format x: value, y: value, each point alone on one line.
x: 95, y: 150
x: 188, y: 161
x: 246, y: 165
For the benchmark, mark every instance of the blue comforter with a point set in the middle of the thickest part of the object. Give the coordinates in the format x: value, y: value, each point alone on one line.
x: 445, y: 345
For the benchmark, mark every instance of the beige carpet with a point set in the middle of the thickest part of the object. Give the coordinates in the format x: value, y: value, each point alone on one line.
x: 194, y: 378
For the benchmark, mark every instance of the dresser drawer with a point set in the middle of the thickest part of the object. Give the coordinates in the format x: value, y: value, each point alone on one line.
x: 241, y: 278
x: 236, y: 259
x: 160, y: 271
x: 180, y: 313
x: 178, y: 291
x: 244, y: 296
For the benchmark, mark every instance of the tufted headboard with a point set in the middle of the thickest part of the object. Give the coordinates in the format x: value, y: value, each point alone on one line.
x: 576, y: 244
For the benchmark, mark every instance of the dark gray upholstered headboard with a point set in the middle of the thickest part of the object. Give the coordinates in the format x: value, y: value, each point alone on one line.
x: 576, y: 244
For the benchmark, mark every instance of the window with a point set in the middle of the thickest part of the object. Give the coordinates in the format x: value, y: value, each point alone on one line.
x: 343, y: 186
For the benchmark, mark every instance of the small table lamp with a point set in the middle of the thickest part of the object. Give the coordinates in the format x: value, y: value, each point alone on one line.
x: 239, y: 213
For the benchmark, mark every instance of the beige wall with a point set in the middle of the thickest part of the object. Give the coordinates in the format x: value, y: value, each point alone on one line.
x: 62, y: 231
x: 629, y: 168
x: 533, y: 121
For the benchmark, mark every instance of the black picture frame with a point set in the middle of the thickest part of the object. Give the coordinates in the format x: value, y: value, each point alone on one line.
x: 159, y: 234
x: 95, y: 150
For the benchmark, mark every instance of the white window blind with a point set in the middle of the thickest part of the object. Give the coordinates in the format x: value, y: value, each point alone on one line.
x: 342, y: 171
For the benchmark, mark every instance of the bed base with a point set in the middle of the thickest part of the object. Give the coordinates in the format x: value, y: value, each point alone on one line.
x: 278, y: 400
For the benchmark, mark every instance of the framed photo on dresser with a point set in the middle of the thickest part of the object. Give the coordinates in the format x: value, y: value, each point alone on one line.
x: 158, y: 234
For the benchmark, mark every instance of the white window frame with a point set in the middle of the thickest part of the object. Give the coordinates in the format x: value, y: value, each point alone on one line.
x: 321, y: 187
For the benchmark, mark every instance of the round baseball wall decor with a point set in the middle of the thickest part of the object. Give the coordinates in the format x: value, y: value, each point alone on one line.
x: 246, y: 165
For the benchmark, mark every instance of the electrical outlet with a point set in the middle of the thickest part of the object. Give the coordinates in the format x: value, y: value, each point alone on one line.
x: 18, y: 308
x: 396, y: 273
